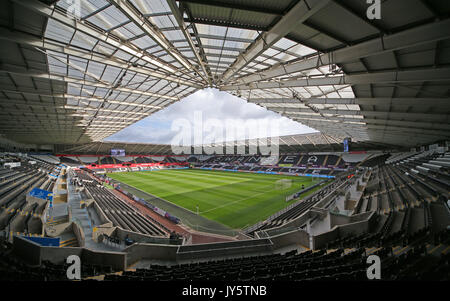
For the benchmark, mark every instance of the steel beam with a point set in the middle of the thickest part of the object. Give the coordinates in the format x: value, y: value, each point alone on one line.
x: 296, y: 15
x: 414, y: 75
x: 377, y: 114
x: 47, y: 44
x: 325, y: 125
x: 433, y: 129
x: 409, y: 130
x: 400, y: 123
x: 423, y: 34
x: 236, y: 6
x: 64, y: 97
x: 183, y: 27
x: 21, y: 113
x: 68, y: 79
x: 405, y: 101
x: 154, y: 33
x: 109, y: 39
x: 52, y: 105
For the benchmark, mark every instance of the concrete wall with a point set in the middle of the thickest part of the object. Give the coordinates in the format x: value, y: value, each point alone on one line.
x: 101, y: 214
x: 224, y: 245
x: 79, y: 234
x: 122, y: 233
x: 225, y: 249
x: 100, y: 230
x: 337, y: 219
x: 358, y: 224
x: 291, y: 238
x: 29, y: 251
x: 34, y: 254
x: 320, y: 241
x: 354, y: 228
x: 295, y: 223
x: 59, y: 255
x: 117, y: 260
x: 138, y: 252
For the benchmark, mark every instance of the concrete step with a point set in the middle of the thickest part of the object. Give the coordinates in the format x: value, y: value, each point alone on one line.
x: 69, y: 243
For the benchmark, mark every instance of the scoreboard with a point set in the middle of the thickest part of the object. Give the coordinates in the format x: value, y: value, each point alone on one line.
x: 117, y: 152
x: 347, y: 142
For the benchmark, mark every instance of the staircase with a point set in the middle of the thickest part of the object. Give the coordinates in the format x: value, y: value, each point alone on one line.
x: 69, y: 242
x: 81, y: 217
x: 365, y: 159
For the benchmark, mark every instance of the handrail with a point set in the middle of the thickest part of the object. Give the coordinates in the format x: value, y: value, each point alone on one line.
x: 284, y: 210
x: 197, y: 227
x: 159, y: 240
x: 339, y: 185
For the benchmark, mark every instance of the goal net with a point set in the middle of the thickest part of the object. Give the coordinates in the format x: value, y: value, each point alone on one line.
x: 283, y: 184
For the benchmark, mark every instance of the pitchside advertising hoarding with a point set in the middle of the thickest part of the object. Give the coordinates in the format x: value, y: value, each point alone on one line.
x: 292, y: 173
x: 159, y: 211
x: 102, y: 166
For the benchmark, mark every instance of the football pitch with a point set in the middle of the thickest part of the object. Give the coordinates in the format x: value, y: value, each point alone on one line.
x: 234, y: 199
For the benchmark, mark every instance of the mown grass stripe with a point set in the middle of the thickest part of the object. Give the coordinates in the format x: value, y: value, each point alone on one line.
x: 234, y: 199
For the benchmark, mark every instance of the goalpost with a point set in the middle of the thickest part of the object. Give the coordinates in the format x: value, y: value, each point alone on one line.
x: 283, y: 184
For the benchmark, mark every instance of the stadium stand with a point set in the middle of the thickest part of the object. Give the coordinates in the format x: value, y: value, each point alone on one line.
x: 410, y: 223
x: 143, y: 160
x: 17, y: 215
x: 297, y: 209
x: 322, y: 164
x: 323, y: 265
x: 117, y: 211
x: 71, y: 161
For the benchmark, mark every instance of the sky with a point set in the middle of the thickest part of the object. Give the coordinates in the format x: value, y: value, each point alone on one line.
x: 209, y: 115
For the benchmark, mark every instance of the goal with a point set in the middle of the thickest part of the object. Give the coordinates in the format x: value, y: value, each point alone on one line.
x: 283, y: 184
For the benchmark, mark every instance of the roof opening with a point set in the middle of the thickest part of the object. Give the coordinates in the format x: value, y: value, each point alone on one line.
x: 210, y: 116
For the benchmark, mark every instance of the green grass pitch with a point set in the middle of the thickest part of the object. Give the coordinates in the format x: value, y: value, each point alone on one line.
x: 234, y: 199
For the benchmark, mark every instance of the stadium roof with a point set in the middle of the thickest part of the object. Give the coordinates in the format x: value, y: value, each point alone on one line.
x: 316, y: 142
x: 78, y: 71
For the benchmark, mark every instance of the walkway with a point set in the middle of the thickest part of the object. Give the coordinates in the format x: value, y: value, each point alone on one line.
x: 197, y: 237
x: 82, y: 216
x: 187, y: 217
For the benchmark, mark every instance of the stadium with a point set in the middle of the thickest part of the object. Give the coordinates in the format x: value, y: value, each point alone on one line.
x: 370, y: 186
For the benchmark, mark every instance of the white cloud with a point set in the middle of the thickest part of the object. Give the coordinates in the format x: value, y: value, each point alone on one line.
x: 211, y: 104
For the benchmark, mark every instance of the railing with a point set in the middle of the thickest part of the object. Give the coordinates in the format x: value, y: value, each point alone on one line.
x: 225, y: 232
x: 278, y: 231
x: 342, y: 183
x: 292, y: 196
x: 225, y: 247
x: 284, y: 210
x: 160, y: 240
x: 77, y: 221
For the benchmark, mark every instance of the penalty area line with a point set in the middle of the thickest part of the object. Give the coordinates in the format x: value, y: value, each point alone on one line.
x: 228, y: 204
